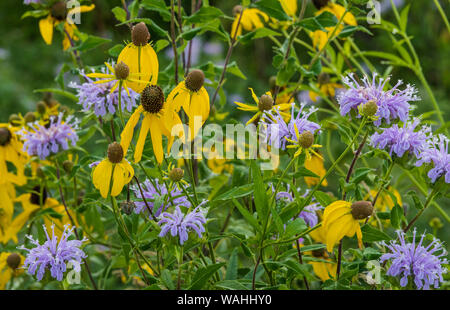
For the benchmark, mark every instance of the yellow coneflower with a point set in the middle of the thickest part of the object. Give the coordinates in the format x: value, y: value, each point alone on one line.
x: 120, y: 73
x: 58, y: 13
x: 326, y: 87
x: 192, y: 96
x: 341, y: 218
x: 263, y: 103
x: 113, y: 172
x: 322, y: 269
x: 304, y: 143
x: 217, y: 161
x: 320, y: 37
x: 156, y: 121
x: 140, y: 58
x: 315, y: 164
x: 10, y: 264
x: 250, y: 20
x: 7, y: 196
x: 11, y: 151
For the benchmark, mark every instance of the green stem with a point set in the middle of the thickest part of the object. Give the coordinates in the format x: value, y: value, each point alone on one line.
x: 436, y: 2
x: 429, y: 200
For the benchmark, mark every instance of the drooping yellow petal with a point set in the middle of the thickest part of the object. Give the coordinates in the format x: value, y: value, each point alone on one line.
x: 101, y: 177
x: 118, y: 180
x: 337, y: 230
x: 81, y: 9
x: 289, y: 7
x: 127, y: 134
x: 156, y: 134
x: 254, y: 96
x: 142, y: 136
x: 46, y: 28
x: 315, y: 164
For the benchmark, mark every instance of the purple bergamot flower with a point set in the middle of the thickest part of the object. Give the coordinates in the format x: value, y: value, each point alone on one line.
x: 157, y: 198
x: 422, y: 264
x: 400, y: 140
x: 43, y: 141
x: 54, y: 255
x: 100, y: 99
x: 392, y: 104
x: 436, y: 154
x: 276, y: 130
x: 179, y: 224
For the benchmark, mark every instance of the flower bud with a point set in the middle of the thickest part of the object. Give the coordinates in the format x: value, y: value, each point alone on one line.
x: 40, y: 107
x: 152, y: 98
x: 140, y: 34
x: 5, y: 136
x: 115, y: 153
x: 195, y: 80
x: 306, y: 139
x: 35, y: 197
x: 127, y: 207
x: 318, y: 253
x: 237, y: 10
x: 323, y: 78
x: 29, y: 117
x: 369, y: 109
x: 176, y: 174
x: 361, y: 209
x: 59, y: 10
x: 436, y: 223
x: 14, y: 119
x: 272, y: 82
x: 13, y: 261
x: 67, y: 166
x: 265, y: 103
x: 121, y: 70
x: 320, y: 3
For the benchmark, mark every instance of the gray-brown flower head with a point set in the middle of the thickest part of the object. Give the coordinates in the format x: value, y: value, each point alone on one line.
x: 195, y: 80
x: 59, y: 10
x: 176, y: 174
x: 152, y: 98
x: 14, y: 119
x: 35, y: 197
x: 121, y: 70
x: 323, y: 78
x: 361, y: 209
x: 49, y: 100
x: 13, y: 261
x: 127, y: 207
x: 306, y: 139
x: 369, y: 109
x: 318, y: 253
x: 40, y: 107
x: 265, y: 103
x: 272, y: 81
x: 115, y: 153
x: 140, y: 34
x: 67, y: 166
x: 29, y: 117
x: 5, y: 136
x: 237, y: 10
x: 320, y: 3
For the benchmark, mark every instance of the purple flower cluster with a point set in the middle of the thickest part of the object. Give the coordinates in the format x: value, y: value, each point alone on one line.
x: 54, y: 255
x: 423, y: 264
x: 156, y: 196
x: 180, y: 224
x: 98, y: 97
x: 400, y: 140
x: 392, y: 104
x: 436, y: 153
x: 275, y: 129
x: 31, y: 1
x: 43, y: 141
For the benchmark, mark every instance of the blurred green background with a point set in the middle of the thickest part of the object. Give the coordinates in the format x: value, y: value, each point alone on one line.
x: 27, y: 63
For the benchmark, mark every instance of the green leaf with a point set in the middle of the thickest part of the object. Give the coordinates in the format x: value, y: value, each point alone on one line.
x: 160, y: 44
x: 115, y: 50
x: 234, y: 69
x: 257, y: 34
x: 246, y: 214
x: 203, y: 274
x: 396, y: 216
x: 349, y: 30
x: 303, y: 172
x: 404, y: 17
x: 157, y: 6
x: 232, y: 268
x: 323, y: 198
x: 90, y: 43
x: 166, y: 278
x: 236, y: 192
x: 57, y: 91
x: 272, y: 8
x: 120, y: 14
x: 35, y: 13
x: 417, y: 203
x: 295, y: 227
x: 371, y: 234
x: 326, y: 19
x: 205, y: 14
x: 260, y: 195
x: 231, y: 285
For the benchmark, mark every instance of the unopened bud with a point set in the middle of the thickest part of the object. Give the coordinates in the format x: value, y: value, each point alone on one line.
x: 67, y: 166
x: 122, y: 71
x: 29, y: 117
x: 40, y: 107
x: 176, y: 174
x: 361, y: 209
x: 370, y: 108
x: 14, y: 119
x: 13, y: 261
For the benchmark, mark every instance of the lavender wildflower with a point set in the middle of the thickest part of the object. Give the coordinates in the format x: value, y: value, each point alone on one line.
x: 400, y: 140
x: 392, y: 104
x: 31, y: 1
x: 276, y: 130
x: 156, y: 197
x: 423, y: 264
x: 54, y: 255
x: 436, y: 152
x: 180, y: 224
x: 100, y: 99
x: 42, y: 141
